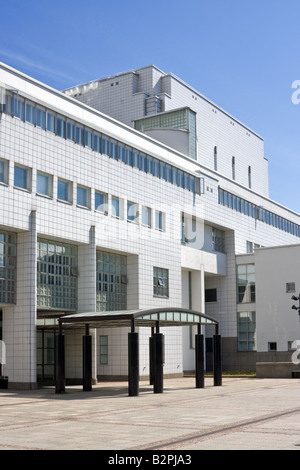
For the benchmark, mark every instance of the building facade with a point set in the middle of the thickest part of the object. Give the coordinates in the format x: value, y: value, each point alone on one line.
x: 97, y: 215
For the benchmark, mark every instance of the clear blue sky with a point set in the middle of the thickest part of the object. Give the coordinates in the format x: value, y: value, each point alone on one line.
x: 243, y: 55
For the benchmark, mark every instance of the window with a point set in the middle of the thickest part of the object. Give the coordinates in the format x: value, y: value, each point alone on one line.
x: 249, y: 247
x: 247, y: 331
x: 218, y: 240
x: 57, y: 274
x: 159, y: 220
x: 210, y: 295
x: 22, y: 177
x: 101, y: 202
x: 44, y: 184
x: 60, y: 126
x: 146, y: 216
x: 272, y: 346
x: 79, y: 134
x: 64, y: 190
x: 160, y: 282
x: 132, y: 212
x: 29, y: 112
x: 215, y: 159
x: 40, y: 117
x: 3, y: 171
x: 249, y: 177
x: 246, y: 283
x: 115, y: 207
x: 111, y: 282
x: 290, y: 287
x: 88, y: 138
x: 50, y: 121
x: 70, y: 130
x: 103, y: 349
x: 83, y: 196
x: 8, y: 257
x: 233, y: 168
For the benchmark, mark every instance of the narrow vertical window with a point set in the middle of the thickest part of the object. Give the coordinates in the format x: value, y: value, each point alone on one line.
x: 249, y: 177
x: 233, y: 168
x: 215, y: 159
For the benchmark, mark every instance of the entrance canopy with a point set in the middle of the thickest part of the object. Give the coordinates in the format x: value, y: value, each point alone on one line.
x: 135, y: 318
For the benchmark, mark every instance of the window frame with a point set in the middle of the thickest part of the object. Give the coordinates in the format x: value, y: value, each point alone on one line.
x: 28, y: 177
x: 87, y: 205
x: 49, y: 194
x: 69, y: 184
x: 160, y: 282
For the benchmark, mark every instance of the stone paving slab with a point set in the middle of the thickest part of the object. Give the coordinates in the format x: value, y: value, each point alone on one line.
x: 242, y: 414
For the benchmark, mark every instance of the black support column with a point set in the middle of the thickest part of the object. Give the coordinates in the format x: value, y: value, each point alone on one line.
x: 60, y: 362
x: 199, y: 358
x: 133, y: 362
x: 151, y: 358
x: 158, y: 353
x: 217, y: 348
x: 87, y: 360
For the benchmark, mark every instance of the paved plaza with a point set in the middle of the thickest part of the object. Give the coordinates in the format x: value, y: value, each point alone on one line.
x: 242, y: 414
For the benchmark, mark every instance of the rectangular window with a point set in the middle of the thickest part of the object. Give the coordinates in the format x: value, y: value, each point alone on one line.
x: 29, y: 112
x: 97, y: 142
x: 218, y: 240
x: 64, y: 190
x: 3, y: 171
x: 40, y: 117
x: 290, y: 287
x: 8, y: 261
x: 159, y: 220
x: 210, y: 295
x: 103, y: 349
x: 61, y: 126
x: 246, y: 283
x: 83, y: 196
x: 79, y: 134
x: 247, y: 331
x: 44, y: 184
x: 50, y: 121
x: 22, y: 177
x: 272, y: 346
x: 132, y: 212
x: 146, y: 216
x: 115, y: 207
x: 70, y: 130
x: 111, y: 282
x: 101, y: 202
x: 57, y: 274
x: 88, y: 140
x: 160, y: 282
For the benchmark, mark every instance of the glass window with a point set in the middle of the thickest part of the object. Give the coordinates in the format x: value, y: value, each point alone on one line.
x: 113, y: 149
x: 88, y: 140
x: 111, y: 282
x: 121, y: 152
x: 60, y: 126
x: 79, y: 134
x: 135, y: 159
x: 22, y: 177
x: 83, y: 196
x: 146, y: 216
x: 8, y: 252
x: 210, y: 295
x: 29, y: 112
x: 160, y: 282
x: 132, y: 212
x: 149, y: 164
x: 64, y: 190
x: 142, y: 162
x: 3, y: 171
x: 290, y: 287
x: 70, y: 130
x: 129, y: 156
x: 44, y: 184
x: 97, y: 142
x: 246, y: 283
x: 100, y: 202
x: 57, y: 274
x: 159, y: 220
x: 218, y: 240
x: 104, y: 349
x: 50, y: 121
x: 247, y: 331
x: 105, y: 145
x: 40, y: 117
x: 115, y: 207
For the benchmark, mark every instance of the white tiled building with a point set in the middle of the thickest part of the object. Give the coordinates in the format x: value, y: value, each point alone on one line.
x: 98, y: 216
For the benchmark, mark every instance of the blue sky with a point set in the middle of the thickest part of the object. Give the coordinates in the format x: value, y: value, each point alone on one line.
x: 242, y: 55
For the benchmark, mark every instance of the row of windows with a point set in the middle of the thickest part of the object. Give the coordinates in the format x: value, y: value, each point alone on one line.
x: 61, y: 126
x: 44, y: 187
x: 259, y: 213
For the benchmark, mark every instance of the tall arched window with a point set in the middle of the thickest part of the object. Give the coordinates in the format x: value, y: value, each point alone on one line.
x: 233, y: 168
x: 215, y: 159
x: 249, y: 177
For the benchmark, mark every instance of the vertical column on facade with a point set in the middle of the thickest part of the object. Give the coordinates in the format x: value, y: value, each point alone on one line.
x: 199, y: 358
x: 87, y: 290
x: 217, y: 347
x: 60, y: 361
x: 133, y: 362
x: 151, y: 358
x: 20, y: 320
x: 87, y: 360
x: 158, y: 352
